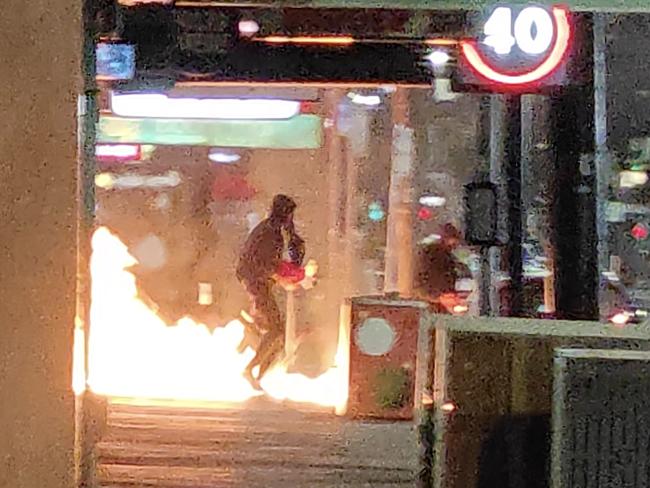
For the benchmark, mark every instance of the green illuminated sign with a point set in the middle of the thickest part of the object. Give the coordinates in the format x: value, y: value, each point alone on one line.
x: 300, y: 132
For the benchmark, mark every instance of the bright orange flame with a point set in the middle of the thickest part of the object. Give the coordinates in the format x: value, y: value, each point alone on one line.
x: 134, y: 354
x: 545, y: 68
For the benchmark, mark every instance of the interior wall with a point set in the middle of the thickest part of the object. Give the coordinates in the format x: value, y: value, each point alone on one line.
x: 39, y: 53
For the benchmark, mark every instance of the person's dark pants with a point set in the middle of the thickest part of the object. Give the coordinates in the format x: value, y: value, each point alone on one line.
x: 267, y: 316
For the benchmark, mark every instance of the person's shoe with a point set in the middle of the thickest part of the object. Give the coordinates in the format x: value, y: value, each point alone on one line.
x: 252, y: 380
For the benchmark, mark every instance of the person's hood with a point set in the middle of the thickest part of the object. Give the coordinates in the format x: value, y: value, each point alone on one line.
x: 282, y: 207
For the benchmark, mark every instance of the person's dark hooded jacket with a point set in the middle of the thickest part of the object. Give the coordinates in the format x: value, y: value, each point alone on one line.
x: 264, y: 248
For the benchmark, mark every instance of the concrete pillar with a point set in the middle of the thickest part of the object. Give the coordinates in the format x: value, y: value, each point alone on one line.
x: 399, y: 239
x: 40, y: 49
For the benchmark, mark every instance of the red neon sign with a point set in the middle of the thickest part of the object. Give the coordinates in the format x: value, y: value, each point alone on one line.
x: 547, y: 66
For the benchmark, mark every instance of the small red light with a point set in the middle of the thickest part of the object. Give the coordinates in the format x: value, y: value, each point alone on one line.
x: 640, y: 232
x: 307, y: 107
x: 425, y: 213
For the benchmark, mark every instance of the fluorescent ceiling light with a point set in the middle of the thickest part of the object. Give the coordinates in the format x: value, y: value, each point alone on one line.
x: 432, y: 201
x: 223, y: 157
x: 630, y: 179
x: 367, y: 100
x: 157, y: 105
x: 611, y: 276
x: 117, y: 151
x: 110, y: 181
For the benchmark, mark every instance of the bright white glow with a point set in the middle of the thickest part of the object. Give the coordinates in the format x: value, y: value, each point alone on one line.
x: 541, y: 20
x: 104, y: 180
x: 206, y: 296
x: 448, y: 407
x: 610, y: 275
x: 432, y: 201
x: 248, y: 27
x: 438, y: 57
x: 630, y: 179
x: 161, y: 106
x: 109, y: 181
x: 223, y: 157
x: 367, y: 100
x: 497, y: 31
x: 620, y: 318
x: 460, y: 309
x: 119, y: 151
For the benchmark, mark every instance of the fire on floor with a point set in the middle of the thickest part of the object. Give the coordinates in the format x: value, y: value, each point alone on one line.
x: 134, y: 354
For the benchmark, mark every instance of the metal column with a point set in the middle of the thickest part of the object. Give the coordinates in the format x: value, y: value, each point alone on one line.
x: 505, y: 172
x: 602, y: 160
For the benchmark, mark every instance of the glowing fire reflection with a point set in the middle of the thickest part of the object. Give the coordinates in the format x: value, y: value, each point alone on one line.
x: 134, y: 354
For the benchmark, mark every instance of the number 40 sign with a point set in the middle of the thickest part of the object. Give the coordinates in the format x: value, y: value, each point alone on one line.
x: 531, y: 30
x: 519, y: 45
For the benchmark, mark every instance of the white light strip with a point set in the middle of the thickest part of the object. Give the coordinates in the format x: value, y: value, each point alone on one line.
x: 630, y: 179
x: 367, y: 100
x: 224, y: 158
x: 109, y: 181
x: 121, y: 151
x: 432, y: 201
x: 155, y: 105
